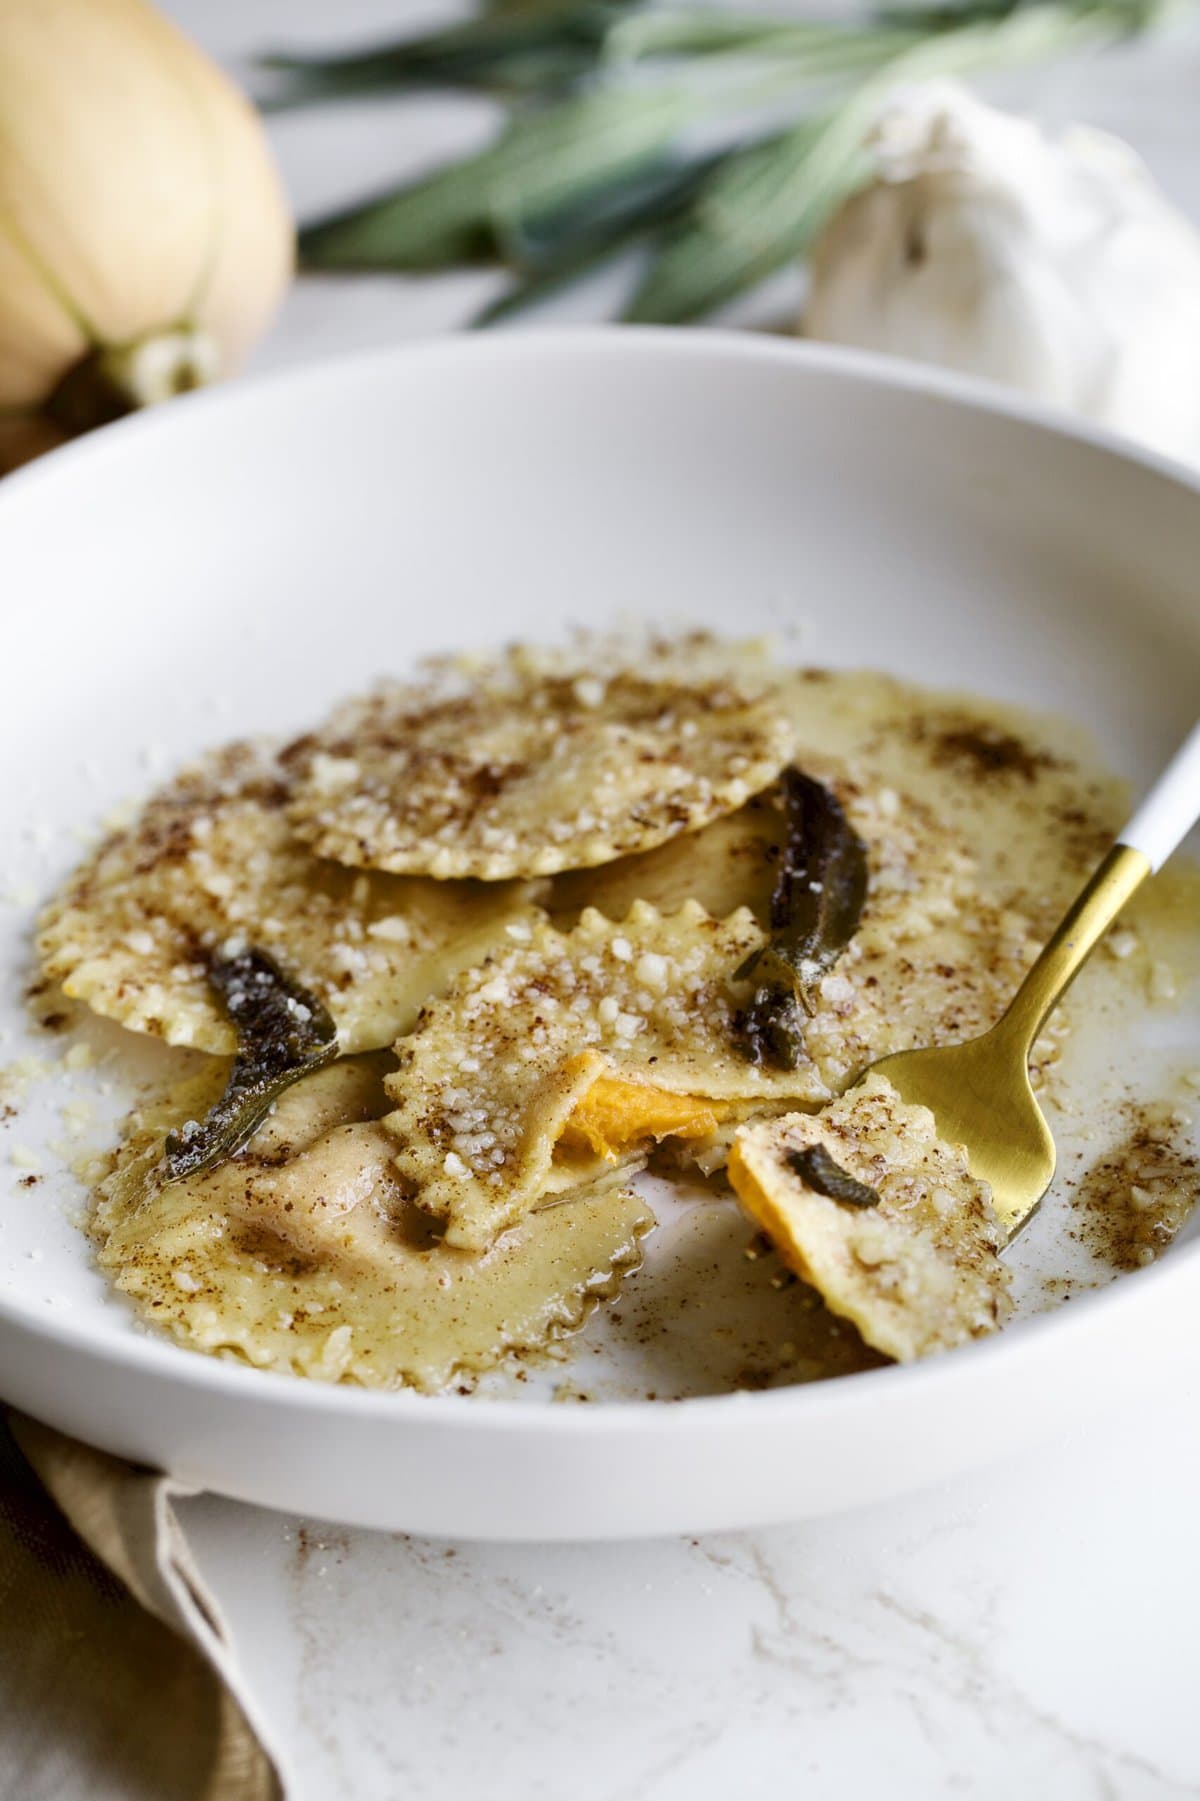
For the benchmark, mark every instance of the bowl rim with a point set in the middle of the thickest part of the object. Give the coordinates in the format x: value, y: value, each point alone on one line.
x: 139, y: 1351
x: 867, y: 368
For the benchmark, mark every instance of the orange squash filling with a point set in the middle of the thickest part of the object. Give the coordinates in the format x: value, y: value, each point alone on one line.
x: 615, y: 1116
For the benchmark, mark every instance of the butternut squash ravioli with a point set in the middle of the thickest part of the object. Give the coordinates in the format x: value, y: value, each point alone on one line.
x: 565, y: 917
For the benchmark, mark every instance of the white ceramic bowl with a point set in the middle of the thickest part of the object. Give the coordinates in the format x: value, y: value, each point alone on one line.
x: 240, y: 559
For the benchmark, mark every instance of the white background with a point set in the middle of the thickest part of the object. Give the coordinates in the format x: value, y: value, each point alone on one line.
x: 1030, y: 1631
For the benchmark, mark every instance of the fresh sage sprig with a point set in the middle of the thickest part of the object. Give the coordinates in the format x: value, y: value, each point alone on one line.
x: 716, y: 142
x: 551, y: 253
x: 753, y: 216
x: 549, y: 163
x: 509, y: 50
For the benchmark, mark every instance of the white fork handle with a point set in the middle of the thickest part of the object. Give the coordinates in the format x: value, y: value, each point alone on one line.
x: 1171, y: 808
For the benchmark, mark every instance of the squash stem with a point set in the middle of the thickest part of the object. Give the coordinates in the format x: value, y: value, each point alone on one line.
x: 115, y: 379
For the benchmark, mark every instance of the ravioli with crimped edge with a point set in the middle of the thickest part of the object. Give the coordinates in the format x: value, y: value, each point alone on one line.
x: 523, y: 766
x: 570, y: 1051
x: 931, y: 958
x: 211, y: 857
x: 303, y: 1254
x: 882, y: 1217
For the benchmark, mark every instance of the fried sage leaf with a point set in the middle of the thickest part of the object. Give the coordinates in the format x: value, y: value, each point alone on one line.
x: 817, y: 1169
x: 815, y: 909
x: 283, y: 1033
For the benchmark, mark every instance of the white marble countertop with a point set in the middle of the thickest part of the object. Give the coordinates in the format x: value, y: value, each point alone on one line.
x: 1031, y: 1630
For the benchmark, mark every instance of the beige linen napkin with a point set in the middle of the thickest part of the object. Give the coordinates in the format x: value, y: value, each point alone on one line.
x: 117, y: 1675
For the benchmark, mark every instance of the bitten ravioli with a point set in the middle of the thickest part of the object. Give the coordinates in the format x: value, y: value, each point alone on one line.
x: 302, y: 1253
x: 917, y: 1271
x: 522, y: 768
x: 212, y: 857
x: 488, y: 1082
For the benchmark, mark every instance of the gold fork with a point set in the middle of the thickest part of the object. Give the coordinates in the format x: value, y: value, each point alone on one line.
x: 979, y: 1092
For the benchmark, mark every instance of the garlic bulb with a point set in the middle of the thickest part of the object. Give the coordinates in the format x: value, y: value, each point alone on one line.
x: 144, y: 238
x: 1053, y: 265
